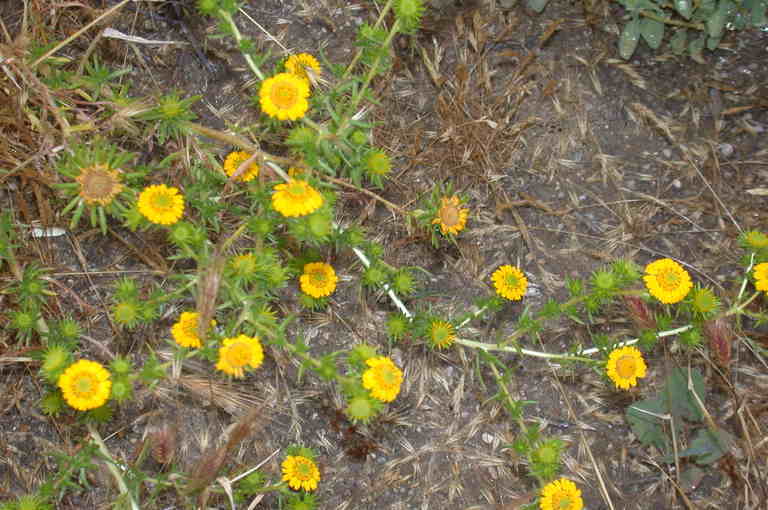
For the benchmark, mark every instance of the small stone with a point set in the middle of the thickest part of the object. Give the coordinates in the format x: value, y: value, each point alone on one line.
x: 487, y: 438
x: 666, y: 153
x: 726, y: 150
x: 677, y: 184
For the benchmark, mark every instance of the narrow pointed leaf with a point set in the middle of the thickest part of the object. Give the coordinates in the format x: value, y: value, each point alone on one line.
x: 629, y: 38
x: 652, y: 31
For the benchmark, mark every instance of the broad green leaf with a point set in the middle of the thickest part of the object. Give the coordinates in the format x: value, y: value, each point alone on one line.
x: 712, y: 42
x: 537, y: 5
x: 679, y: 400
x: 707, y: 447
x: 716, y: 22
x: 648, y: 428
x: 684, y: 8
x: 677, y: 43
x: 629, y: 38
x: 652, y: 31
x: 758, y: 13
x: 696, y: 45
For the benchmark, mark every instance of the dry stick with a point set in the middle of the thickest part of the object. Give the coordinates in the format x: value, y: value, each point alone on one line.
x: 709, y: 187
x: 77, y: 34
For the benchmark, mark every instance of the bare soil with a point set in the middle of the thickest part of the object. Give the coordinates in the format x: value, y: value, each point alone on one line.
x: 571, y: 158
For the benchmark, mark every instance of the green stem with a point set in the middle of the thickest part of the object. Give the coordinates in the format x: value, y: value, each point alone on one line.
x: 359, y: 53
x: 111, y: 465
x: 238, y: 37
x: 668, y: 21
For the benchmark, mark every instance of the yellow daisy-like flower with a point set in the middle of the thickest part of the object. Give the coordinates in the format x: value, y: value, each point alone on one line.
x: 625, y: 366
x: 184, y: 331
x: 284, y: 96
x: 85, y: 385
x: 161, y: 204
x: 761, y: 276
x: 441, y: 334
x: 318, y: 280
x: 667, y: 281
x: 510, y: 282
x: 239, y: 353
x: 300, y: 472
x: 296, y: 198
x: 756, y: 240
x: 561, y: 494
x: 383, y: 378
x: 451, y: 218
x: 233, y: 161
x: 99, y: 185
x: 298, y: 65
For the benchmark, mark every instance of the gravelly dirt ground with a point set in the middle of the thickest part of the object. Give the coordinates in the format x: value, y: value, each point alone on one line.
x: 611, y: 159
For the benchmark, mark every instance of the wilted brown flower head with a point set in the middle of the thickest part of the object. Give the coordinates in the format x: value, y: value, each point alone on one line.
x: 99, y: 185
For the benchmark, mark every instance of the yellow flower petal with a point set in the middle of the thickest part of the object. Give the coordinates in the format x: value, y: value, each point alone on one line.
x: 667, y: 281
x: 318, y: 280
x: 383, y: 378
x: 239, y: 353
x: 234, y: 160
x: 299, y: 64
x: 450, y: 217
x: 296, y: 198
x: 561, y: 494
x: 284, y: 96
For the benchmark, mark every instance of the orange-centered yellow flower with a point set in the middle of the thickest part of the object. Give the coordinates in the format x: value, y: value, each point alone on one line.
x: 667, y: 281
x: 561, y: 494
x: 301, y: 63
x: 300, y: 472
x: 284, y: 96
x: 318, y: 280
x: 296, y: 198
x: 510, y: 282
x: 239, y: 353
x: 233, y: 162
x: 161, y: 204
x: 382, y: 378
x: 625, y: 366
x: 761, y: 276
x: 184, y: 331
x: 85, y: 385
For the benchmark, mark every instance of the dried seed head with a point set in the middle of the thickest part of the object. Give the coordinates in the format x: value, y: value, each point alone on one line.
x: 640, y: 312
x: 720, y: 336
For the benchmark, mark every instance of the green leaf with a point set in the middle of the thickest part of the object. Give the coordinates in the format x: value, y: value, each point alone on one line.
x: 677, y: 43
x: 684, y: 8
x: 716, y: 22
x: 647, y: 427
x: 629, y: 38
x: 537, y: 5
x: 707, y: 447
x: 652, y: 31
x: 713, y: 42
x: 758, y: 13
x: 696, y: 45
x: 679, y: 400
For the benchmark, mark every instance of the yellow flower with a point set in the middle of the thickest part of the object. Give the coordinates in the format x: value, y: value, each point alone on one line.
x: 284, y: 96
x: 510, y: 282
x: 161, y: 204
x: 238, y: 353
x: 299, y: 64
x: 450, y: 217
x: 625, y: 366
x: 300, y: 472
x: 441, y: 334
x: 85, y: 385
x: 756, y: 240
x: 233, y: 161
x: 184, y: 331
x: 667, y: 281
x: 99, y: 185
x: 561, y: 494
x: 318, y: 280
x: 761, y: 276
x: 383, y: 378
x: 296, y: 198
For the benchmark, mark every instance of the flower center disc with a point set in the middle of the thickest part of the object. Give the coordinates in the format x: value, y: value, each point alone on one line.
x: 162, y: 202
x: 562, y: 502
x: 626, y: 367
x: 84, y: 385
x: 387, y: 377
x: 284, y: 96
x: 668, y: 280
x: 318, y: 278
x: 303, y: 470
x: 512, y: 281
x: 239, y: 354
x: 449, y: 216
